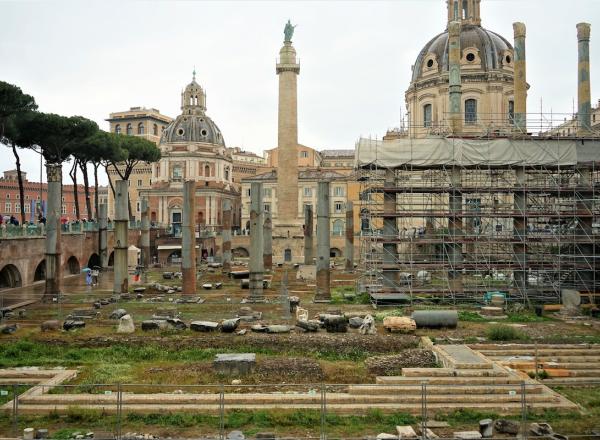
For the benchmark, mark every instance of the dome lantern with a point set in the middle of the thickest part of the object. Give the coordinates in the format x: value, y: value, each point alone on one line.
x: 193, y: 98
x: 465, y: 11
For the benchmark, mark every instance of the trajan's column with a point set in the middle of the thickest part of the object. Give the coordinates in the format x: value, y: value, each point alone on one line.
x: 287, y: 171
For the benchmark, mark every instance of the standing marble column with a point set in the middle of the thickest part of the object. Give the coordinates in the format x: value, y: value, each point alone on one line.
x: 53, y: 232
x: 308, y: 235
x: 145, y: 239
x: 349, y: 250
x: 520, y: 79
x: 103, y: 234
x: 584, y: 93
x: 256, y: 266
x: 121, y: 281
x: 188, y: 238
x: 323, y: 244
x: 226, y: 235
x: 455, y: 81
x: 268, y: 239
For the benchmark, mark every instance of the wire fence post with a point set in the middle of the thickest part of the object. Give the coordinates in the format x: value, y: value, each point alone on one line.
x: 323, y: 411
x: 524, y: 428
x: 119, y: 409
x: 16, y: 410
x: 424, y: 410
x: 222, y: 412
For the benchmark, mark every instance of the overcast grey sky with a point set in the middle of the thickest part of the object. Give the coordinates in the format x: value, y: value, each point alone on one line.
x: 91, y: 58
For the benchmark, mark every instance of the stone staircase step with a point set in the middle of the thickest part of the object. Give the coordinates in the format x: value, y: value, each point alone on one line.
x: 545, y: 358
x: 449, y: 380
x: 451, y: 372
x: 444, y: 389
x: 281, y: 399
x: 502, y: 408
x: 462, y: 357
x: 543, y: 352
x: 486, y: 347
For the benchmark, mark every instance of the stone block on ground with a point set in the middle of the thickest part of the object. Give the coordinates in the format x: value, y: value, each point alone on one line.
x: 204, y: 326
x: 505, y: 426
x: 234, y: 364
x: 386, y: 436
x: 402, y: 324
x: 265, y: 436
x: 126, y: 324
x: 467, y: 435
x: 50, y: 326
x: 235, y: 435
x: 406, y: 432
x: 355, y: 322
x: 540, y: 429
x: 229, y: 325
x: 309, y: 326
x: 278, y: 329
x: 8, y: 329
x: 28, y: 434
x: 486, y: 428
x: 176, y: 324
x: 117, y: 314
x: 154, y: 324
x: 72, y: 324
x: 335, y: 323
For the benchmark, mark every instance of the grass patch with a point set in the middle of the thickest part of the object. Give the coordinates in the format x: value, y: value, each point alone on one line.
x: 337, y: 296
x: 504, y: 333
x: 466, y: 416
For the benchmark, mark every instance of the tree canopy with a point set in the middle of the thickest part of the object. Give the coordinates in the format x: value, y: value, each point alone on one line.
x: 13, y: 102
x: 137, y: 150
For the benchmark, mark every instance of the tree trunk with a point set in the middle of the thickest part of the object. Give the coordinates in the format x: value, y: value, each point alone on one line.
x: 73, y: 174
x: 96, y: 211
x: 20, y: 179
x: 86, y: 187
x: 112, y: 188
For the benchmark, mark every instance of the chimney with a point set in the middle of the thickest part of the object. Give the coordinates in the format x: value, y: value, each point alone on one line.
x: 583, y: 80
x: 455, y: 89
x: 520, y: 79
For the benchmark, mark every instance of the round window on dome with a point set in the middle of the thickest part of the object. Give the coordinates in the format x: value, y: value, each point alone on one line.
x: 180, y: 132
x: 508, y: 59
x: 430, y: 64
x: 470, y: 57
x: 203, y: 132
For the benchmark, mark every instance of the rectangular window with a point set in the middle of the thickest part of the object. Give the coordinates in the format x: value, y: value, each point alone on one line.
x: 64, y: 209
x: 139, y: 182
x: 339, y: 207
x: 307, y: 192
x: 138, y: 207
x: 427, y: 114
x: 470, y: 111
x: 248, y: 192
x: 304, y: 154
x: 7, y: 207
x: 17, y: 208
x: 511, y: 112
x: 308, y: 205
x: 267, y: 207
x: 27, y: 208
x: 338, y: 191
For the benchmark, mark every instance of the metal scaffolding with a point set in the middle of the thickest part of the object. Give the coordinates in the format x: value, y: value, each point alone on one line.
x: 458, y: 233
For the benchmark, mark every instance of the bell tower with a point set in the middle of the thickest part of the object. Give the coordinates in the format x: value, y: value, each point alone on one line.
x: 468, y: 12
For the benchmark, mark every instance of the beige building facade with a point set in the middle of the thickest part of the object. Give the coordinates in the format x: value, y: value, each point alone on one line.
x: 142, y: 122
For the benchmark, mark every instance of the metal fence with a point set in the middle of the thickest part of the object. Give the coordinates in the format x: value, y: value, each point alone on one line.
x: 118, y: 406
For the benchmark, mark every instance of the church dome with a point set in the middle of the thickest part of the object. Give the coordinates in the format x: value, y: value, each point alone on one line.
x: 490, y: 49
x: 193, y: 125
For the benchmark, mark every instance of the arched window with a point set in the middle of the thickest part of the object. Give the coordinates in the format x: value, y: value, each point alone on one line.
x: 226, y: 173
x: 129, y: 130
x: 470, y: 111
x: 338, y: 228
x: 206, y: 171
x: 155, y: 130
x: 118, y: 129
x: 511, y: 112
x: 427, y: 113
x: 141, y: 128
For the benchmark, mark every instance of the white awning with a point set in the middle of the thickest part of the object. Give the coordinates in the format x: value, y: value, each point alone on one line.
x: 171, y: 247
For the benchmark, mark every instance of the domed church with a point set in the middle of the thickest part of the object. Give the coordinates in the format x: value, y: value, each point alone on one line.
x: 486, y: 72
x: 192, y: 148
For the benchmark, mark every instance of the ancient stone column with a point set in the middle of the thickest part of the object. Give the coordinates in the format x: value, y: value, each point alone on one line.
x: 226, y: 235
x: 103, y: 234
x: 121, y: 281
x: 308, y: 235
x: 256, y: 266
x: 520, y: 232
x: 520, y: 79
x: 287, y: 171
x: 268, y: 239
x: 455, y: 88
x: 188, y: 238
x: 53, y: 232
x: 583, y: 80
x: 390, y: 258
x: 145, y: 239
x: 455, y: 231
x: 349, y: 250
x: 323, y: 245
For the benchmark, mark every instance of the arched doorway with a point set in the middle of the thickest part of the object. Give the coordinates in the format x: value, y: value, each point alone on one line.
x: 73, y: 265
x: 111, y: 259
x: 287, y: 255
x: 40, y: 271
x: 334, y: 253
x: 10, y: 277
x: 94, y: 261
x: 174, y: 257
x: 240, y: 252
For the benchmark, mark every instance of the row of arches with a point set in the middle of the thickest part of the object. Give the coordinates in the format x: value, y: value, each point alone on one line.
x: 10, y: 276
x: 141, y: 129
